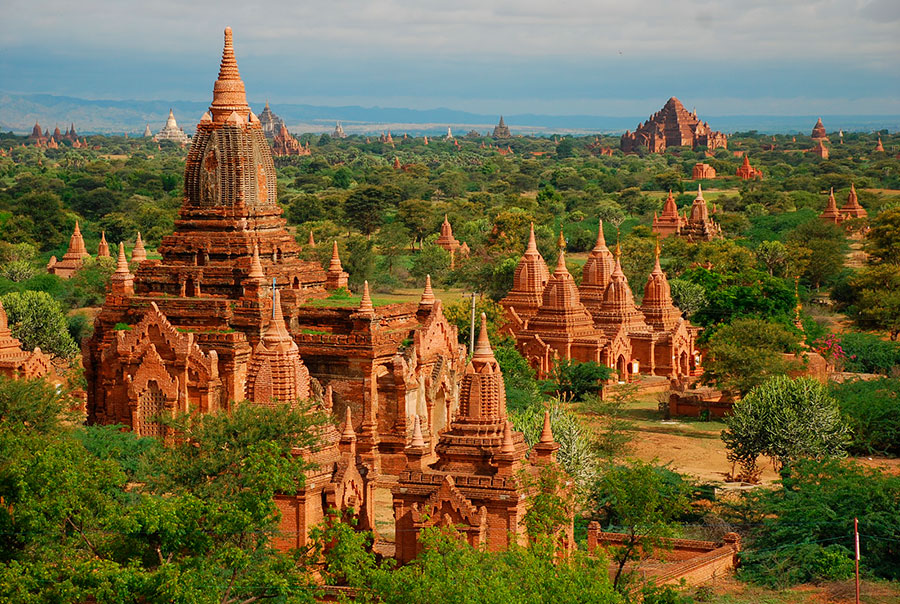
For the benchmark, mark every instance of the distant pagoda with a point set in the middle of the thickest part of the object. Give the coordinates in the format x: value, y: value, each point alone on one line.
x: 501, y: 130
x: 271, y: 123
x: 171, y: 132
x: 818, y: 131
x: 338, y: 131
x: 672, y: 126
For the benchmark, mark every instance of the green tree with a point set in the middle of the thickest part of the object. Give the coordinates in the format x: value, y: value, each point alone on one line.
x: 573, y: 381
x: 746, y: 352
x: 785, y: 419
x: 431, y: 260
x: 365, y: 206
x: 688, y: 297
x: 883, y: 238
x: 392, y: 240
x: 643, y: 500
x: 38, y: 321
x: 872, y: 411
x: 876, y: 291
x: 417, y: 216
x: 359, y: 261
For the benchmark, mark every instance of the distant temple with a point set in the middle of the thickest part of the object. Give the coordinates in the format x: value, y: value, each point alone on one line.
x: 818, y: 131
x: 271, y: 123
x: 147, y: 132
x: 171, y: 132
x: 338, y: 131
x: 284, y: 144
x: 53, y: 141
x: 879, y: 148
x: 746, y: 171
x: 672, y: 126
x: 698, y: 226
x: 501, y: 130
x: 703, y: 171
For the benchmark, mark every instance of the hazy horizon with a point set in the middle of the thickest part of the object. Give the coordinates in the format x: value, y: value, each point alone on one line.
x: 510, y: 57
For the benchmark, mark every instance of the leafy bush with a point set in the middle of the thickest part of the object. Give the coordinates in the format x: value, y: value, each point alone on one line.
x: 804, y: 530
x: 872, y: 410
x: 38, y: 321
x: 867, y: 353
x: 785, y: 419
x: 574, y: 381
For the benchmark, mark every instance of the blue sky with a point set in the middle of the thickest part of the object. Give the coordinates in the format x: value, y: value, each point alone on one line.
x: 595, y: 57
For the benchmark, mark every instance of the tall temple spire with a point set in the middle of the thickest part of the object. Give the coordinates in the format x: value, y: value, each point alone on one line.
x: 529, y: 280
x: 122, y: 281
x: 532, y: 243
x: 596, y: 273
x: 228, y: 92
x: 335, y: 265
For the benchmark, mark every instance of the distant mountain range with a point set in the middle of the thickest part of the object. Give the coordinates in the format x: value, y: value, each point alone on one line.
x: 18, y: 112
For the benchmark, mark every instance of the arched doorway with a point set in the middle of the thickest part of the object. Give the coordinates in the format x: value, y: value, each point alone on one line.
x: 685, y: 369
x: 296, y: 283
x: 190, y: 288
x: 622, y: 369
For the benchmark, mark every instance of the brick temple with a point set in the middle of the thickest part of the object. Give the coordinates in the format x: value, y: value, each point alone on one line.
x: 672, y: 126
x: 552, y: 319
x: 231, y: 312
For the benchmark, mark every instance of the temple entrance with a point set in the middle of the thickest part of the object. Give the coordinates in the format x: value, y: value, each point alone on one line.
x: 151, y: 403
x: 685, y: 369
x: 622, y: 369
x: 190, y: 288
x: 296, y: 283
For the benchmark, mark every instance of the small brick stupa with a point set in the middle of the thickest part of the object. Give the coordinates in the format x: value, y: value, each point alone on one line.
x: 852, y: 209
x: 529, y: 280
x: 672, y: 126
x: 474, y: 486
x: 16, y: 363
x: 103, y: 246
x: 72, y: 260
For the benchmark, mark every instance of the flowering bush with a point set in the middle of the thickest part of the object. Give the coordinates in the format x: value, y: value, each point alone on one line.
x: 830, y: 347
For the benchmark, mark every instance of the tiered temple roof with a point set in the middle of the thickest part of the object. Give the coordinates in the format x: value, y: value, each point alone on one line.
x: 672, y: 126
x: 529, y: 280
x: 596, y: 273
x: 699, y: 226
x: 284, y: 144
